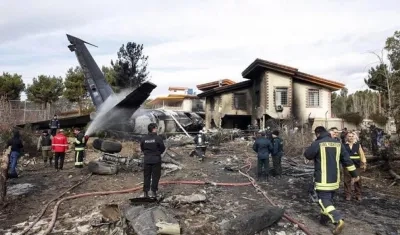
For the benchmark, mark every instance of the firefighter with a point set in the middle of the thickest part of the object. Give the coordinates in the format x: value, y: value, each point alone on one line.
x: 327, y: 154
x: 201, y: 145
x: 54, y: 125
x: 44, y: 144
x: 152, y: 146
x: 277, y: 153
x: 263, y: 147
x: 79, y: 147
x: 360, y: 162
x: 59, y: 146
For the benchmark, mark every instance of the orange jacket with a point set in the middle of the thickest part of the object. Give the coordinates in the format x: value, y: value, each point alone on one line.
x: 59, y: 143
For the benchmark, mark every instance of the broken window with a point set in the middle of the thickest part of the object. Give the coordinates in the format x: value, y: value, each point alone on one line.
x: 239, y: 101
x: 313, y: 97
x: 281, y: 96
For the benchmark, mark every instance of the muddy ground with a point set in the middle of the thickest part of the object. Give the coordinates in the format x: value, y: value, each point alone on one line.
x: 378, y: 213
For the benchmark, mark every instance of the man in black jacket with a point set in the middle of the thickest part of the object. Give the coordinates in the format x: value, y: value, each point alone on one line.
x: 263, y: 147
x: 327, y: 154
x: 152, y: 147
x: 54, y: 125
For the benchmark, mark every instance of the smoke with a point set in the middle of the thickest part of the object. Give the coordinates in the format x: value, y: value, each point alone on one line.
x: 102, y: 119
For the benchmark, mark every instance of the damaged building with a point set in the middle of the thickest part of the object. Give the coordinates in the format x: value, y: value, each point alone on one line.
x: 270, y: 91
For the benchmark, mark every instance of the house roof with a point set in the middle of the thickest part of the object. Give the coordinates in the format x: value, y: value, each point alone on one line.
x: 223, y: 89
x: 214, y: 84
x: 260, y: 65
x: 172, y: 97
x: 177, y: 88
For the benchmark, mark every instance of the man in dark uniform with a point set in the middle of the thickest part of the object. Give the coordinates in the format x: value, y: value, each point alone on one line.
x: 79, y: 147
x: 152, y: 147
x: 263, y: 147
x: 54, y: 125
x: 327, y: 154
x: 277, y: 153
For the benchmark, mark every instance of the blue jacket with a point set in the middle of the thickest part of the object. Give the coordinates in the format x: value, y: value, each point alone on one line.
x: 263, y: 147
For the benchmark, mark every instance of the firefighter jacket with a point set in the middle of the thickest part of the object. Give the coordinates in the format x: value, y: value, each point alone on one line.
x: 44, y: 142
x: 59, y: 143
x: 152, y: 146
x: 263, y: 147
x: 54, y: 124
x: 80, y: 142
x: 356, y: 154
x: 200, y: 140
x: 327, y: 154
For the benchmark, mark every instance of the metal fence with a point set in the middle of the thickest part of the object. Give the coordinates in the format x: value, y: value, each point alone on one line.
x: 28, y: 111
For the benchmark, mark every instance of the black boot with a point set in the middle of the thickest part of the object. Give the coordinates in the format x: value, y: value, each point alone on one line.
x: 153, y: 194
x: 51, y: 162
x: 323, y: 220
x: 145, y: 194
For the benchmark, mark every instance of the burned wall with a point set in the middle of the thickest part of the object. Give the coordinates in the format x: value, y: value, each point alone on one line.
x: 310, y: 99
x: 237, y: 102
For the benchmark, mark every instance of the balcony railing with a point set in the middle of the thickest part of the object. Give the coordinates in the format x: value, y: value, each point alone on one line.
x: 173, y: 108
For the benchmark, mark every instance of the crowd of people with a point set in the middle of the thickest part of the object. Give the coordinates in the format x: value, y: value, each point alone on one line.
x: 328, y: 152
x: 52, y: 144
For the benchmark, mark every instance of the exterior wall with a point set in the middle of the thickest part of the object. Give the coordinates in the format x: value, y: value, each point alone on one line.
x: 187, y: 105
x: 302, y: 110
x: 275, y: 80
x: 178, y: 92
x: 223, y: 105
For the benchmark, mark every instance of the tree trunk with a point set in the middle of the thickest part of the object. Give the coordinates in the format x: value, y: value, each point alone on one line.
x: 3, y: 174
x: 80, y: 108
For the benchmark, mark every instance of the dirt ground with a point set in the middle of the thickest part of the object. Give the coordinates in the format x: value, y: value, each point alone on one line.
x: 378, y: 213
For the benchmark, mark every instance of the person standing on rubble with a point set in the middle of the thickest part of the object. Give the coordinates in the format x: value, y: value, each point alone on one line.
x: 59, y: 147
x: 327, y: 154
x: 16, y: 151
x: 54, y: 125
x: 152, y: 146
x: 79, y: 147
x: 44, y: 144
x: 360, y: 162
x: 201, y: 145
x: 263, y: 147
x: 277, y: 153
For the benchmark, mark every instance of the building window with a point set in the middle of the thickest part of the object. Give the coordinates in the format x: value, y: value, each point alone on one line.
x: 313, y: 98
x: 239, y: 101
x: 281, y: 96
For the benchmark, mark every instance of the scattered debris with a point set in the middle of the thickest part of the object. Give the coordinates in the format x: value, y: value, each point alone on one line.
x: 186, y: 199
x: 19, y: 189
x: 151, y: 221
x: 249, y: 224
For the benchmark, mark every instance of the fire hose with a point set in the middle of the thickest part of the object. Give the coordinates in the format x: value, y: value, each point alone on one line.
x: 253, y: 182
x: 131, y: 190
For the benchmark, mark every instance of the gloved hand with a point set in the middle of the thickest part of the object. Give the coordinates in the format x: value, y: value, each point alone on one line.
x: 363, y: 166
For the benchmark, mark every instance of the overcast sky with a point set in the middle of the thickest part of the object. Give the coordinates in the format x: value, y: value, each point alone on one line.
x: 192, y: 42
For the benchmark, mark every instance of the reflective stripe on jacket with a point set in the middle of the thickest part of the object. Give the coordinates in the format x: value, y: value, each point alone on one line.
x: 59, y: 143
x: 327, y: 154
x: 79, y: 142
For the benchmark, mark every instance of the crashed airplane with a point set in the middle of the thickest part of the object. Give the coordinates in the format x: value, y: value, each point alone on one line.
x: 131, y: 118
